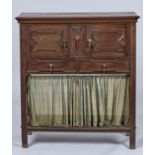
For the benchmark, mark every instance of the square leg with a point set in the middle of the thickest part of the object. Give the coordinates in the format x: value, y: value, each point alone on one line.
x: 24, y: 139
x: 132, y: 139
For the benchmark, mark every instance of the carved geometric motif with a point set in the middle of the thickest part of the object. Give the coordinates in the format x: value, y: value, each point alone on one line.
x: 33, y: 39
x: 94, y: 41
x: 52, y: 40
x: 121, y: 39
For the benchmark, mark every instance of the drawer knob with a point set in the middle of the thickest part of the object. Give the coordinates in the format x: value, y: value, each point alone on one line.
x: 104, y: 67
x: 51, y: 67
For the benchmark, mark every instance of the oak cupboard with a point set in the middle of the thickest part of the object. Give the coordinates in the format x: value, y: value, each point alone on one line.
x: 77, y: 46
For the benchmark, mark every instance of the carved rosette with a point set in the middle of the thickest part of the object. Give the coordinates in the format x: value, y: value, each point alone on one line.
x: 77, y: 28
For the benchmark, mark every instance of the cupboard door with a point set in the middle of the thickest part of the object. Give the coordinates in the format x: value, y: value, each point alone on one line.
x: 107, y: 41
x: 47, y: 41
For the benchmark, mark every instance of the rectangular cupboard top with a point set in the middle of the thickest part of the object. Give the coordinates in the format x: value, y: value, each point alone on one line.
x: 104, y: 15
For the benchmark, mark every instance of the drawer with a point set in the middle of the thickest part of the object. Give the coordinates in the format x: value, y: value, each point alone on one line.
x: 107, y: 41
x: 51, y: 66
x: 102, y: 66
x: 46, y: 41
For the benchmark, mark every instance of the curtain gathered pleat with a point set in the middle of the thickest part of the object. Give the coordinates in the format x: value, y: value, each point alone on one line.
x: 78, y: 101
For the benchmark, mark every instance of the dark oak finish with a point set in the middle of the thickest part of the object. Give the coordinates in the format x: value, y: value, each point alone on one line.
x: 72, y: 43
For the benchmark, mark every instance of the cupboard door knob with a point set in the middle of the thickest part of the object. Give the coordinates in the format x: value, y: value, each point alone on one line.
x: 51, y: 67
x: 104, y: 67
x: 65, y: 43
x: 90, y: 44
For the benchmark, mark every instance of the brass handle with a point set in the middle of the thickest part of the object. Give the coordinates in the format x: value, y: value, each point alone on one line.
x: 51, y: 67
x: 104, y: 67
x: 77, y: 38
x: 90, y: 42
x: 65, y: 43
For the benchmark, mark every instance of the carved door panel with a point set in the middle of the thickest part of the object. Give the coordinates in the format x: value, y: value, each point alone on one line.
x: 77, y: 40
x: 47, y: 41
x: 107, y: 41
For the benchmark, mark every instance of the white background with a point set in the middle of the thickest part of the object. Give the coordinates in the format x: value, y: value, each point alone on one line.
x: 74, y: 143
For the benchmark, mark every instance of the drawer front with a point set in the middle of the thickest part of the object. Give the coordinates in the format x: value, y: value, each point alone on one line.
x: 102, y: 66
x: 107, y: 41
x: 51, y: 66
x: 44, y: 41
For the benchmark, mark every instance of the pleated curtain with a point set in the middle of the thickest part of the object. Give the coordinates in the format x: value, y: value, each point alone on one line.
x: 83, y: 101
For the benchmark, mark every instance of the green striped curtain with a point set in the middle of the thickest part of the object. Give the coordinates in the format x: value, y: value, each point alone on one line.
x: 78, y: 100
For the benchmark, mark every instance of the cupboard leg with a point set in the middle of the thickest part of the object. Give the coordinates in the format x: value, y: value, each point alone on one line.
x: 24, y: 139
x: 132, y: 140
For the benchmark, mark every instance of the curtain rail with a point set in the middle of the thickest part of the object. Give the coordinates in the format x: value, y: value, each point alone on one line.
x: 79, y: 75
